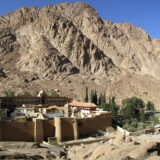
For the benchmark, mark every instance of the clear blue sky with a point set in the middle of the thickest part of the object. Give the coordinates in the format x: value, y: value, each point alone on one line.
x: 142, y: 13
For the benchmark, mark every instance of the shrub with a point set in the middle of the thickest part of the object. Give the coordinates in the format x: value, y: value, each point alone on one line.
x: 54, y: 94
x: 9, y: 93
x: 150, y: 106
x: 25, y: 94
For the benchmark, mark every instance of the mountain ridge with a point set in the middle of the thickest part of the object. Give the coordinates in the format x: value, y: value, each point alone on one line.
x: 69, y: 45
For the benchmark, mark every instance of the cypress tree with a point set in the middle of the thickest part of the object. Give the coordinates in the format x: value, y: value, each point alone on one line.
x: 100, y: 99
x: 103, y: 99
x: 92, y: 96
x: 142, y: 116
x: 150, y: 106
x: 86, y: 96
x: 95, y: 97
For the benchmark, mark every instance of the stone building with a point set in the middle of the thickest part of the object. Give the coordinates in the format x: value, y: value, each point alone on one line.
x: 79, y: 109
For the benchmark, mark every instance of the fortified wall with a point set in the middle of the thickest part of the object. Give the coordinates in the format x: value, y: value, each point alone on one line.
x: 27, y: 131
x: 62, y: 128
x: 75, y: 128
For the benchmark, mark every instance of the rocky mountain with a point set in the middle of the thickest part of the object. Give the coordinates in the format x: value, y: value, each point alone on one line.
x: 68, y: 46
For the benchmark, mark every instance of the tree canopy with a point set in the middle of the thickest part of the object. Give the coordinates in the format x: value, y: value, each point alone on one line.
x: 150, y: 106
x: 131, y: 108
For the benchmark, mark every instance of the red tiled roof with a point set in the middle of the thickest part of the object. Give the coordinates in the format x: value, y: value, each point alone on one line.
x: 82, y: 104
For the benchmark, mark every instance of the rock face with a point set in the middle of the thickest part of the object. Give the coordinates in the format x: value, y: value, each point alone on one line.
x: 115, y: 149
x: 71, y: 43
x: 53, y: 44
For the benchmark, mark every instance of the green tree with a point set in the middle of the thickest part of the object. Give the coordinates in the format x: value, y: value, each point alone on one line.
x: 131, y: 108
x: 86, y: 95
x: 133, y: 125
x: 154, y: 120
x: 142, y: 116
x: 95, y: 98
x: 114, y: 108
x: 133, y: 114
x: 100, y: 100
x: 92, y: 96
x: 128, y: 111
x: 103, y: 99
x: 150, y: 106
x: 106, y: 107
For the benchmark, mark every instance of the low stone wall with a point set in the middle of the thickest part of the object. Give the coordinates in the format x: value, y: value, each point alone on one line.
x: 141, y: 132
x: 135, y: 133
x: 123, y: 131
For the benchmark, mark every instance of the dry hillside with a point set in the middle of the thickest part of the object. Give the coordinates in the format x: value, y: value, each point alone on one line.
x: 69, y: 47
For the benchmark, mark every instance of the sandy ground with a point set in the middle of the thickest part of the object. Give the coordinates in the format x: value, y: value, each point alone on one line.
x: 143, y: 147
x: 120, y: 148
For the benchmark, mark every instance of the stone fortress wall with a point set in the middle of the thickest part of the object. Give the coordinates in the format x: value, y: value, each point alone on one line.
x: 74, y: 128
x: 62, y: 128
